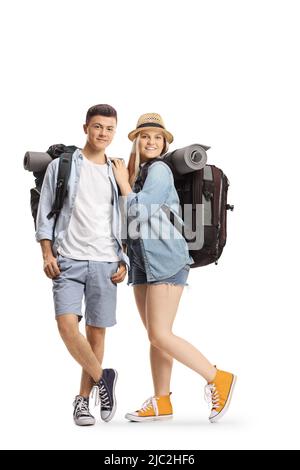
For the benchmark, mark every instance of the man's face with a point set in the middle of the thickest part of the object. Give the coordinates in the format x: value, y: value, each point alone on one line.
x: 100, y: 131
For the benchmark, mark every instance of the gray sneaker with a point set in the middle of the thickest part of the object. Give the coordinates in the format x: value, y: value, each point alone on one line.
x: 81, y: 414
x: 106, y: 394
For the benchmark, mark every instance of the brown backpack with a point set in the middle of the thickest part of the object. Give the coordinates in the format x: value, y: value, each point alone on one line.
x: 206, y: 187
x: 209, y: 187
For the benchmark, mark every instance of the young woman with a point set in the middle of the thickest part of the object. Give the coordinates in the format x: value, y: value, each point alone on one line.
x: 160, y: 264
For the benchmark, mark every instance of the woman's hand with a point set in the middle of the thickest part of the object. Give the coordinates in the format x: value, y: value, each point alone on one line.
x: 120, y: 171
x: 122, y: 176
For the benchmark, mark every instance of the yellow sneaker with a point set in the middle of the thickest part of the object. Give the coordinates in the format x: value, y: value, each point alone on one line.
x: 219, y: 393
x: 155, y: 408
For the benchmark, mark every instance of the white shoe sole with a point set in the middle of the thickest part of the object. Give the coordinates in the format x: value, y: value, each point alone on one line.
x: 221, y: 414
x: 114, y: 409
x: 84, y: 422
x: 132, y: 417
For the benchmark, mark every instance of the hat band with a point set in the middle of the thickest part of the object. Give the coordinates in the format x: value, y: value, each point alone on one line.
x: 150, y: 124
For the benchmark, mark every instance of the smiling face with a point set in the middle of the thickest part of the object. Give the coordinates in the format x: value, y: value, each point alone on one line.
x: 151, y: 144
x: 100, y: 131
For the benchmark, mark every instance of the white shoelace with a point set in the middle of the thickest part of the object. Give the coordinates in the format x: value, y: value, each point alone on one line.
x: 150, y: 403
x: 100, y: 395
x: 211, y: 395
x: 81, y: 407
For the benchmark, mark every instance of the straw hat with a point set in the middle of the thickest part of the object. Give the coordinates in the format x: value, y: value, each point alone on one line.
x: 150, y: 121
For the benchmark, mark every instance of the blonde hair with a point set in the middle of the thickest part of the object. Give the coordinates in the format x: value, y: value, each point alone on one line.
x: 134, y: 158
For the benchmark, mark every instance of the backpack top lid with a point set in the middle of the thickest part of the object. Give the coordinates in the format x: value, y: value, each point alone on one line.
x: 56, y: 150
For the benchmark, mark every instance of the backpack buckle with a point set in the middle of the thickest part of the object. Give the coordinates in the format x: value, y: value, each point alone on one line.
x: 208, y: 195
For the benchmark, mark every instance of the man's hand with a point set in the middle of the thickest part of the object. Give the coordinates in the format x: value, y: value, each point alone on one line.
x: 119, y: 276
x: 51, y: 268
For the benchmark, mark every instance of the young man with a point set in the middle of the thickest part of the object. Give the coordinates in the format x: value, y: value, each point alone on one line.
x: 84, y: 257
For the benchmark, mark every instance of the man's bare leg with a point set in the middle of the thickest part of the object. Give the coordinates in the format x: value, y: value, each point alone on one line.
x: 78, y: 346
x: 95, y: 337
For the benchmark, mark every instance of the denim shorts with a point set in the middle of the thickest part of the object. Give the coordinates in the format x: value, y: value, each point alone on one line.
x: 89, y: 280
x: 138, y: 271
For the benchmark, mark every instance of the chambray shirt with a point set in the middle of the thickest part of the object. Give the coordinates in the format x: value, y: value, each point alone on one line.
x: 164, y: 249
x: 44, y: 226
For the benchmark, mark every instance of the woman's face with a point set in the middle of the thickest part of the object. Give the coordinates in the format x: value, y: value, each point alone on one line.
x: 151, y: 144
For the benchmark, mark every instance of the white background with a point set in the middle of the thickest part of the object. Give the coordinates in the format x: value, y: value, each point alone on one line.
x: 224, y: 74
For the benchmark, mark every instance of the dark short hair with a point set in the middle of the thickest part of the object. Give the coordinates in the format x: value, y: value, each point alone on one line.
x: 101, y: 110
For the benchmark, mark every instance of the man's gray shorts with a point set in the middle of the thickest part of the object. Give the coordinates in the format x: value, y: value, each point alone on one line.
x: 91, y: 279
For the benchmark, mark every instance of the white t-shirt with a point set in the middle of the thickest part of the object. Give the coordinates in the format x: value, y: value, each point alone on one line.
x: 89, y: 235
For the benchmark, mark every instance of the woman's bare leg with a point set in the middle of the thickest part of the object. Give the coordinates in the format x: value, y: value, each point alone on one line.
x: 161, y: 307
x: 161, y: 362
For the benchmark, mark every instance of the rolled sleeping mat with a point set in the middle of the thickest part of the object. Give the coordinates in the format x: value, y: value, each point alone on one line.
x: 36, y: 161
x: 188, y: 159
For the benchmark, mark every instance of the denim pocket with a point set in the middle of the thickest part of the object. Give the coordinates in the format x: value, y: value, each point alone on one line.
x: 59, y: 259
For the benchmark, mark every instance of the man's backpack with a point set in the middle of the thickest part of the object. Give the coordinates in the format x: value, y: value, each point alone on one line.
x: 209, y: 187
x: 64, y: 153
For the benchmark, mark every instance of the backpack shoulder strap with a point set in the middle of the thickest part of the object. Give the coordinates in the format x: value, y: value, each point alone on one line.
x: 145, y: 169
x: 64, y: 170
